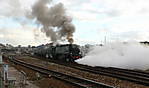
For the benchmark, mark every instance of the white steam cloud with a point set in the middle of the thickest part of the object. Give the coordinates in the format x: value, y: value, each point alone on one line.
x: 121, y: 55
x: 53, y: 20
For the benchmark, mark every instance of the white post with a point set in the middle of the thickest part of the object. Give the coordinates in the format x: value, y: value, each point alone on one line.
x: 5, y: 72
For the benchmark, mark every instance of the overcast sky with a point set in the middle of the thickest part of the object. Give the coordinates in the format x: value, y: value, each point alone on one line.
x: 123, y: 20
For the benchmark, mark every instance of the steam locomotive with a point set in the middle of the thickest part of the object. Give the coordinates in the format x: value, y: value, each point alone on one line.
x: 66, y: 52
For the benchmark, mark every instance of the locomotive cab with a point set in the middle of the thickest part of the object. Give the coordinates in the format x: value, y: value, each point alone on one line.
x: 68, y: 52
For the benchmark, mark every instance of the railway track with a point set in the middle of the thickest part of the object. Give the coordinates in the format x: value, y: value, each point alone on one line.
x: 138, y: 77
x: 77, y: 81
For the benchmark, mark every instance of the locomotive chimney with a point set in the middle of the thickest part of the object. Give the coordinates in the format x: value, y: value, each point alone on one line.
x: 70, y: 40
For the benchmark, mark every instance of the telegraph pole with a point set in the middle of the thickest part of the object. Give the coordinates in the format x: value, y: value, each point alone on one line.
x: 105, y: 40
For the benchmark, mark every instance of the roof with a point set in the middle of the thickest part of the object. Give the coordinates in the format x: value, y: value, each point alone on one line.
x: 2, y: 46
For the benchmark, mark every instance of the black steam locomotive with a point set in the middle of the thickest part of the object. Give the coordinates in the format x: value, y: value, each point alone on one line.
x: 66, y: 52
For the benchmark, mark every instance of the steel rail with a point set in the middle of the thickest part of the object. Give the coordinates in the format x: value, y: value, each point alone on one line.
x: 77, y: 81
x: 128, y: 75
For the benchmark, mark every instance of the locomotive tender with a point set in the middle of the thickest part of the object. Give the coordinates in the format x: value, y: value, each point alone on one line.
x: 66, y: 52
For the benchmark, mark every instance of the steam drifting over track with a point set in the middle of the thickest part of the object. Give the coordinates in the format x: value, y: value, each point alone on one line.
x: 112, y: 75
